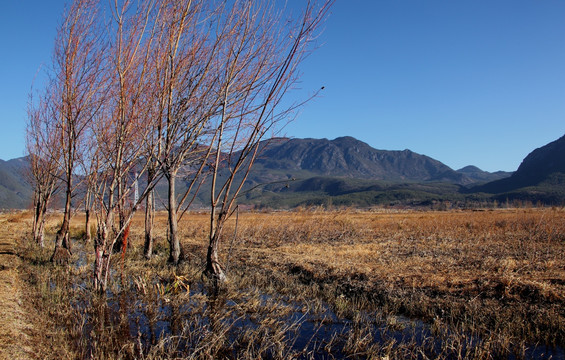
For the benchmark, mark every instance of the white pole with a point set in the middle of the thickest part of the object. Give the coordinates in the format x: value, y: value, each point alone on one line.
x: 136, y: 190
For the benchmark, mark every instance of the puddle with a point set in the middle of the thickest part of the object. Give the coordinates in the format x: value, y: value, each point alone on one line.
x: 184, y: 324
x: 316, y: 334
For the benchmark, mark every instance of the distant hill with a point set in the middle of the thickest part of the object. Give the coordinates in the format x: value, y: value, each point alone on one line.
x: 478, y: 175
x: 349, y: 157
x: 15, y: 190
x: 349, y: 172
x: 540, y: 176
x: 343, y: 191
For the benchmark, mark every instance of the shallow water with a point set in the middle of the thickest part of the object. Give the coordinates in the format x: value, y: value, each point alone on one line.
x: 188, y: 322
x: 307, y: 333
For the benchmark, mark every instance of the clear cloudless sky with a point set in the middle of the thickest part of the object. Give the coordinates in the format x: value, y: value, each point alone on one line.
x: 467, y: 82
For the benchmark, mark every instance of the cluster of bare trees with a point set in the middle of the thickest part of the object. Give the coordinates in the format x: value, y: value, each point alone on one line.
x: 152, y: 90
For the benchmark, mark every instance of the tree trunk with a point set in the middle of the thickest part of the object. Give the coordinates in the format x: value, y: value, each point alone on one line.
x: 37, y: 234
x: 102, y: 252
x: 175, y: 252
x: 41, y: 223
x: 40, y: 207
x: 149, y: 218
x: 62, y: 252
x: 149, y: 215
x: 119, y: 244
x: 88, y: 218
x: 214, y: 270
x: 101, y: 257
x: 88, y: 221
x: 41, y: 233
x: 35, y: 215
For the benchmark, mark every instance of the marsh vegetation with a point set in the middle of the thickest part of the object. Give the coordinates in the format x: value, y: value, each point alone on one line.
x: 314, y: 284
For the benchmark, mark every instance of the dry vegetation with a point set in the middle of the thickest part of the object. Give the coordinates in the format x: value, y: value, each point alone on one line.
x: 14, y: 325
x: 319, y: 284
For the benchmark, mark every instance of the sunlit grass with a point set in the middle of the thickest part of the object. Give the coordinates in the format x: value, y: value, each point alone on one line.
x: 473, y: 284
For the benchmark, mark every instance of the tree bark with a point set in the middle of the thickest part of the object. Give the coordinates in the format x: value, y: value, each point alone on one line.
x: 62, y: 252
x: 88, y: 223
x: 88, y: 217
x: 102, y: 252
x: 149, y: 219
x: 214, y: 270
x: 99, y: 264
x: 175, y: 251
x: 40, y: 201
x: 41, y: 232
x: 120, y: 243
x: 41, y: 223
x: 36, y: 220
x: 100, y: 261
x: 149, y: 215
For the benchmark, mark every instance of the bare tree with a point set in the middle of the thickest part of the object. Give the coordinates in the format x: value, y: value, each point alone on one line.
x: 90, y: 165
x: 168, y: 88
x: 77, y: 66
x: 43, y: 155
x: 258, y: 64
x: 123, y: 131
x: 88, y: 204
x: 185, y: 55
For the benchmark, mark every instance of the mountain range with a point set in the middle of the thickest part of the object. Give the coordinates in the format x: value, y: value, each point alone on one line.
x: 351, y: 158
x: 346, y: 171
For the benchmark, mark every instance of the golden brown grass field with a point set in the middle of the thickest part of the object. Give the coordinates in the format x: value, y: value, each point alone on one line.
x: 307, y: 284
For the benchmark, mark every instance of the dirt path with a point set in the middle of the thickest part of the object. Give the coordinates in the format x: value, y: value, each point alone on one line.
x: 14, y: 326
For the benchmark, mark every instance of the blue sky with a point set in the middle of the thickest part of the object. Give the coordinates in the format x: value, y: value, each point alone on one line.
x: 478, y: 82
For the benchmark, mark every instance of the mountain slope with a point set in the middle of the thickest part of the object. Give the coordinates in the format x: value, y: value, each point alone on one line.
x: 15, y: 191
x: 352, y: 173
x: 348, y: 157
x: 543, y: 168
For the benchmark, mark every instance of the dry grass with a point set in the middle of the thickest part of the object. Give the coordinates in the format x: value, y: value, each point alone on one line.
x: 14, y: 325
x: 25, y: 331
x: 497, y: 274
x: 486, y: 284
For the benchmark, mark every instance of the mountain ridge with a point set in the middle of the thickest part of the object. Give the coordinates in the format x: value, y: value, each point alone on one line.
x: 540, y: 176
x: 349, y: 157
x: 292, y: 172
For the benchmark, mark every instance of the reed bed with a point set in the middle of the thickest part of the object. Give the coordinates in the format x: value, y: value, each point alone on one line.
x: 319, y: 284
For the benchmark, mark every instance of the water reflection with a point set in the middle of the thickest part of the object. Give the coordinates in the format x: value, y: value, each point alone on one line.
x: 160, y: 317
